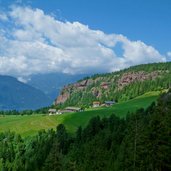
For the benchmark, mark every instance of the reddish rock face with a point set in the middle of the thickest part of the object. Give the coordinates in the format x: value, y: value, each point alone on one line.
x: 67, y: 90
x: 83, y: 84
x: 62, y: 98
x: 105, y: 85
x: 128, y: 78
x: 96, y: 92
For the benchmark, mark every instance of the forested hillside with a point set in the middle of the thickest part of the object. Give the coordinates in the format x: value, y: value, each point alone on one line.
x: 140, y: 142
x: 15, y: 95
x: 119, y: 86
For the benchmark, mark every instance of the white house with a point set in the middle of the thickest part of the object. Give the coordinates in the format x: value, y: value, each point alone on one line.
x: 96, y: 104
x: 52, y: 111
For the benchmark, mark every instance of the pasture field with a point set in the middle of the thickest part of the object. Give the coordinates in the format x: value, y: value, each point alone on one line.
x: 28, y: 125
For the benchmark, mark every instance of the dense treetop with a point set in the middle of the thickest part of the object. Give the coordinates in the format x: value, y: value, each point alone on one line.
x: 140, y: 142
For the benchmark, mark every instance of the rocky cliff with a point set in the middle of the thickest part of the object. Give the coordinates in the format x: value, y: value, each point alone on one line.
x: 106, y: 86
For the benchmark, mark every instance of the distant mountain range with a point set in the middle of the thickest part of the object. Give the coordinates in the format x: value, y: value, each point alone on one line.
x: 40, y: 91
x: 52, y: 83
x: 17, y: 95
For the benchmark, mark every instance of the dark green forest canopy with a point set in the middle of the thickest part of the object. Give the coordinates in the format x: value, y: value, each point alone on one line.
x: 140, y: 142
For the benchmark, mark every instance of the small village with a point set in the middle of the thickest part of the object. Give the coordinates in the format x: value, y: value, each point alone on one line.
x: 73, y: 109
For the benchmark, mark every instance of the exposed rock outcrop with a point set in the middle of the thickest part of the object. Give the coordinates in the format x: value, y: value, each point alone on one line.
x: 62, y: 98
x: 129, y: 78
x: 67, y: 90
x: 123, y: 81
x: 105, y: 85
x: 102, y: 86
x: 97, y: 93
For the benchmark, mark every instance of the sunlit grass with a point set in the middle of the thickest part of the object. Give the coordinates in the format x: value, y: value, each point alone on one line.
x: 30, y: 125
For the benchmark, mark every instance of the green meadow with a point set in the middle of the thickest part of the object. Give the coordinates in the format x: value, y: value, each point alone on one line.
x: 28, y: 125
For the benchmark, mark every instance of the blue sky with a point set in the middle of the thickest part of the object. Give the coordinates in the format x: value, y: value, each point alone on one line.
x: 147, y: 21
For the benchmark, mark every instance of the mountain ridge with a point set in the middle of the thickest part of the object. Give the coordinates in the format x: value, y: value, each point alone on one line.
x: 16, y: 95
x: 120, y: 86
x: 52, y: 83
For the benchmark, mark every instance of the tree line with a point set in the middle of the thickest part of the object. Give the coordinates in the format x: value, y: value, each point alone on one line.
x: 114, y: 92
x: 140, y: 142
x: 43, y: 110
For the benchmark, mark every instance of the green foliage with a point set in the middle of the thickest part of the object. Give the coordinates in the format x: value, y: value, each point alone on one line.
x: 43, y: 110
x: 140, y: 142
x: 25, y: 155
x: 30, y: 124
x: 130, y: 91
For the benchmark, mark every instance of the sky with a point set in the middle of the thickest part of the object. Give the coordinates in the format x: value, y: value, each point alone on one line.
x: 82, y: 36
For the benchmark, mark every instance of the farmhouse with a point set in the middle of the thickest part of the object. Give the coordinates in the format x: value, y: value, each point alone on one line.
x: 69, y: 110
x: 96, y: 104
x: 109, y: 103
x: 73, y: 109
x: 63, y: 111
x: 52, y: 111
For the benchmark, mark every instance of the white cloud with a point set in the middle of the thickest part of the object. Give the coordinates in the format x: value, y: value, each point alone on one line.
x: 3, y: 17
x: 23, y: 79
x: 39, y: 43
x: 169, y: 54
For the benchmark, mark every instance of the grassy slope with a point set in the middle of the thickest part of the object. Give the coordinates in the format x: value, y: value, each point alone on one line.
x: 29, y: 125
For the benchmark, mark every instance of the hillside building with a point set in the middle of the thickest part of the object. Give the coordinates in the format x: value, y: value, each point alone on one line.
x: 52, y: 111
x: 109, y: 103
x: 69, y: 110
x: 73, y: 109
x: 96, y: 104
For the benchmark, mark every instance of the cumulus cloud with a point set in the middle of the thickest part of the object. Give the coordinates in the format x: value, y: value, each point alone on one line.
x: 39, y: 43
x: 3, y: 17
x: 169, y: 54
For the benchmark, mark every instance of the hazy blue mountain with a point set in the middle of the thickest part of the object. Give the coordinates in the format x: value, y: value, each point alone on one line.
x: 17, y: 95
x: 52, y: 83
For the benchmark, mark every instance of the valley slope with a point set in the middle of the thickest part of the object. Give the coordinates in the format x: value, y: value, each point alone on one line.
x: 28, y: 125
x: 118, y: 86
x: 15, y: 95
x: 132, y: 88
x: 52, y: 83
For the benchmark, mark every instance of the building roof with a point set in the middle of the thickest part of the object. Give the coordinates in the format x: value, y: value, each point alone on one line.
x: 96, y: 102
x: 64, y: 111
x: 73, y: 108
x: 52, y: 110
x: 109, y: 102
